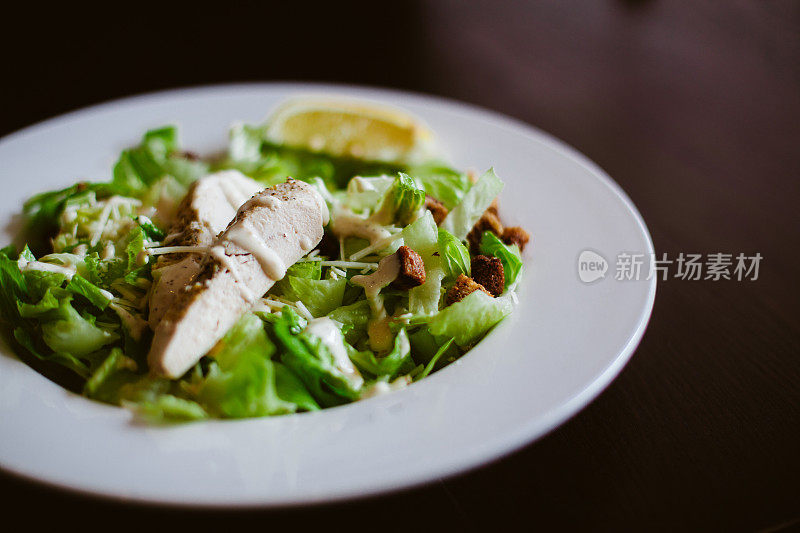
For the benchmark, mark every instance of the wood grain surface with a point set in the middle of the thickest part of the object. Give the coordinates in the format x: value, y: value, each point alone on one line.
x: 691, y: 106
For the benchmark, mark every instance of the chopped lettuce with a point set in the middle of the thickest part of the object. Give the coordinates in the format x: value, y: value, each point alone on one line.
x: 364, y: 194
x: 309, y: 358
x: 156, y: 156
x: 422, y: 236
x: 320, y: 296
x: 355, y: 316
x: 242, y: 382
x: 454, y: 255
x: 508, y: 255
x: 469, y: 319
x: 390, y: 365
x: 443, y: 183
x: 401, y: 203
x: 435, y: 359
x: 463, y: 216
x: 77, y: 293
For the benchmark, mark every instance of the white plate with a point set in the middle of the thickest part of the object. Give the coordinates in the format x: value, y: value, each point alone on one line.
x: 566, y: 341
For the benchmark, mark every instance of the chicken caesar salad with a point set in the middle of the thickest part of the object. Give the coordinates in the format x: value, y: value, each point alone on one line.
x: 327, y: 257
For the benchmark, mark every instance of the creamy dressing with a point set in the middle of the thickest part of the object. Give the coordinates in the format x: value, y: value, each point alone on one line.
x: 348, y: 224
x: 327, y: 331
x: 108, y: 251
x: 388, y: 270
x: 218, y: 253
x: 271, y: 263
x: 305, y: 243
x: 68, y: 270
x: 380, y: 336
x: 380, y: 388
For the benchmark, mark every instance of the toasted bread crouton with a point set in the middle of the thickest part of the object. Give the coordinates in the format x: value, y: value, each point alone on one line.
x: 488, y: 271
x: 412, y: 269
x: 437, y: 209
x: 463, y: 287
x: 516, y: 235
x: 487, y: 222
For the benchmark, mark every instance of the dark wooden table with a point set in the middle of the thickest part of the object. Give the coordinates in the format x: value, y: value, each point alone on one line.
x: 693, y: 107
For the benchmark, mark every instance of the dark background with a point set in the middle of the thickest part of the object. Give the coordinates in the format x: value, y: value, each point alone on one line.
x: 691, y: 106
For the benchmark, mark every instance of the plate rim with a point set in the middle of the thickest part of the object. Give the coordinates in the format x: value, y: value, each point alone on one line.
x: 502, y: 447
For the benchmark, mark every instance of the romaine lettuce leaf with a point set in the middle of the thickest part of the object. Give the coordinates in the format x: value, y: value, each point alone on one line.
x: 443, y: 183
x: 65, y: 330
x: 41, y: 212
x: 319, y: 296
x: 401, y: 203
x: 79, y: 285
x: 463, y: 216
x: 395, y: 362
x: 356, y: 316
x: 306, y: 269
x: 156, y: 156
x: 311, y: 361
x: 508, y: 255
x: 422, y: 236
x: 242, y: 382
x: 435, y: 359
x: 469, y: 319
x: 454, y: 255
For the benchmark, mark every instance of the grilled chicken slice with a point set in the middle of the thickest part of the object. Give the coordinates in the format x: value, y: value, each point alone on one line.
x: 204, y: 213
x: 270, y: 232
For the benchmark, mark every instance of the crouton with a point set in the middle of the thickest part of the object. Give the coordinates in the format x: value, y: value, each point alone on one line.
x: 412, y: 269
x: 487, y: 222
x: 516, y: 235
x: 463, y: 287
x: 488, y: 271
x: 437, y: 209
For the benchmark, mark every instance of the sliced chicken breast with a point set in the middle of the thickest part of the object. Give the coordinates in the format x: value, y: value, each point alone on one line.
x: 270, y: 232
x: 206, y: 210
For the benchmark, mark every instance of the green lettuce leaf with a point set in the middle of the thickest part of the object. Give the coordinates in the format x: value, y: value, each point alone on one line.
x: 463, y: 217
x: 242, y: 383
x: 508, y: 255
x: 319, y: 296
x: 311, y: 361
x: 355, y: 317
x: 454, y: 255
x: 395, y: 362
x: 435, y: 359
x: 41, y: 212
x: 422, y: 236
x: 401, y: 203
x: 445, y: 184
x: 79, y: 285
x: 72, y: 332
x: 469, y: 319
x: 156, y: 156
x: 306, y: 269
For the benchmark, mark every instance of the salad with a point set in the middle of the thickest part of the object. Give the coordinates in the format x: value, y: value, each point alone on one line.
x: 329, y: 256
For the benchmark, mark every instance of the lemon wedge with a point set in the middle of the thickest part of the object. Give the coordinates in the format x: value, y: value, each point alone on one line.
x: 350, y: 128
